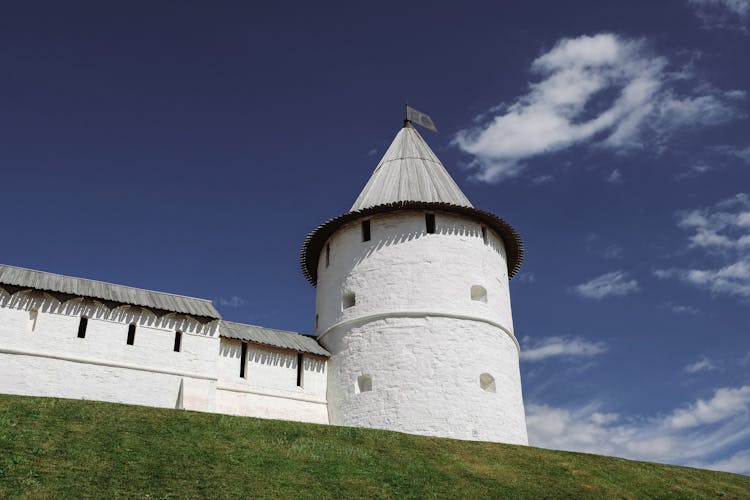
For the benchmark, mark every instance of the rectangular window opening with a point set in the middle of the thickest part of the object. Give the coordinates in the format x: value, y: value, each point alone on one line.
x: 131, y: 334
x: 82, y: 327
x: 328, y: 255
x: 300, y: 366
x: 365, y: 230
x: 243, y: 359
x: 484, y: 234
x: 177, y: 341
x: 430, y: 223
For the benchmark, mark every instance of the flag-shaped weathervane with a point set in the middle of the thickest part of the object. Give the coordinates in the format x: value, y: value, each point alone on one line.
x: 414, y: 116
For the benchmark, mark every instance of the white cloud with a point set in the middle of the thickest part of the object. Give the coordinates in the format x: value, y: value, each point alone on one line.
x: 725, y: 403
x: 738, y: 463
x: 562, y: 347
x: 723, y: 231
x: 612, y: 252
x: 606, y: 90
x: 728, y: 14
x: 702, y: 365
x: 611, y: 284
x: 525, y: 277
x: 682, y: 309
x: 615, y: 177
x: 742, y: 154
x: 694, y: 434
x: 234, y: 302
x: 542, y: 179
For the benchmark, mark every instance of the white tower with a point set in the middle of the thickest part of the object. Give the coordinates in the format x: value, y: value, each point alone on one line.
x: 414, y: 305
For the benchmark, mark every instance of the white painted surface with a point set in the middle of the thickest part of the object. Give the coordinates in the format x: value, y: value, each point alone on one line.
x: 52, y: 361
x: 269, y: 388
x: 41, y: 355
x: 417, y: 332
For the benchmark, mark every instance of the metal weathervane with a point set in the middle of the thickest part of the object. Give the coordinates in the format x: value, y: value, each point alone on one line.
x: 414, y: 116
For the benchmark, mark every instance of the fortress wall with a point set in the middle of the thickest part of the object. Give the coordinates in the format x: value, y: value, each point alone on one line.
x: 269, y: 386
x: 43, y: 356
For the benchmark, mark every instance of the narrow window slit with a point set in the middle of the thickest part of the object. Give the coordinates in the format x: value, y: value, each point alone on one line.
x: 177, y: 341
x: 300, y: 366
x: 484, y: 235
x: 131, y: 334
x: 430, y: 223
x: 366, y: 230
x: 243, y: 359
x: 82, y: 324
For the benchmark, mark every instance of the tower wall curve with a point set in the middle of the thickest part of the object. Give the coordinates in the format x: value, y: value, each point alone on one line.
x: 420, y: 327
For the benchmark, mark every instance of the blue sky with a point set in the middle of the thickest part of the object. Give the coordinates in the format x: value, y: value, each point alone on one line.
x: 189, y: 147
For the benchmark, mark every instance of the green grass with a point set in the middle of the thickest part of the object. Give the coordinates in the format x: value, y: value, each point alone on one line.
x: 56, y: 448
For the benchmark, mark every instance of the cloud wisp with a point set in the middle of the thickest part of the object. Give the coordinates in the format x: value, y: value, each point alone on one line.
x: 606, y: 90
x: 614, y: 284
x: 726, y: 14
x: 692, y: 434
x: 233, y: 302
x: 562, y: 347
x: 702, y: 365
x: 723, y: 232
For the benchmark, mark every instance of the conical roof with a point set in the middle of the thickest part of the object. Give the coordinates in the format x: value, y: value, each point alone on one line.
x: 409, y: 177
x: 410, y: 171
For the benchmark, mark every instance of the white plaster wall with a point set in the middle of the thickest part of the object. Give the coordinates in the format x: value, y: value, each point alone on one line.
x: 48, y: 359
x: 269, y: 388
x: 425, y: 379
x: 402, y: 268
x: 414, y: 323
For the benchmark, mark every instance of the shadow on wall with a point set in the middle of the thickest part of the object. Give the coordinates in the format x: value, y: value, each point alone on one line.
x: 268, y: 355
x: 274, y: 358
x: 375, y: 244
x: 314, y: 364
x: 46, y: 302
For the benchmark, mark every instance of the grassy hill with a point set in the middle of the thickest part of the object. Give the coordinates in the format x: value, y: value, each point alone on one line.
x: 52, y: 448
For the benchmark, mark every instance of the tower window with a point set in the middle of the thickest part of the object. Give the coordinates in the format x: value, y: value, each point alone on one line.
x: 349, y: 300
x: 365, y: 230
x: 177, y: 341
x: 364, y: 383
x: 131, y: 334
x: 243, y: 359
x: 317, y: 317
x: 82, y: 324
x: 479, y: 293
x: 328, y: 255
x: 484, y: 235
x: 429, y: 220
x: 300, y: 366
x: 487, y: 382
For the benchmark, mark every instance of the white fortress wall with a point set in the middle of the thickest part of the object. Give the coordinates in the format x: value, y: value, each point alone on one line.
x: 421, y: 328
x: 41, y: 353
x: 269, y: 387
